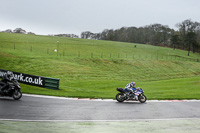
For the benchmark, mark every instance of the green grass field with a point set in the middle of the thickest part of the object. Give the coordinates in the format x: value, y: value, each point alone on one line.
x: 94, y: 68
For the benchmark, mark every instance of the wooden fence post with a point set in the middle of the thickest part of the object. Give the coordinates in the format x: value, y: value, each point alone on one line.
x: 79, y: 54
x: 91, y: 54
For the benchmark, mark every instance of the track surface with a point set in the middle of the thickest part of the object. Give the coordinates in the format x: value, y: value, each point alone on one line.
x: 47, y: 109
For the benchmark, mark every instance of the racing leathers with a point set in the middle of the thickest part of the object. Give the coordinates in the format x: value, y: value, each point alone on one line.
x: 5, y: 79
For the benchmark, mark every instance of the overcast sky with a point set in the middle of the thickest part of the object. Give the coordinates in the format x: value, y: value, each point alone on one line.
x: 75, y: 16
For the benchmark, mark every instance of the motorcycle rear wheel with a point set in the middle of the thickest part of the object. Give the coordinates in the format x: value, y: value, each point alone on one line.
x: 142, y: 98
x: 17, y: 95
x: 120, y: 97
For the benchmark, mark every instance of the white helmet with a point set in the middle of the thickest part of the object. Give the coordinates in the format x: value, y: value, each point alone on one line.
x: 133, y: 84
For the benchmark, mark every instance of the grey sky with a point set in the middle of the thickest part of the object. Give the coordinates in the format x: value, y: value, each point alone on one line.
x: 75, y: 16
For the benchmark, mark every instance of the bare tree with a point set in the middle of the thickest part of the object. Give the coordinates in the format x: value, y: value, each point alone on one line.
x: 188, y: 26
x: 190, y: 40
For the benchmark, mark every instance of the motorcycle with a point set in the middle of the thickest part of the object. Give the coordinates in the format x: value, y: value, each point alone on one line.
x: 13, y: 89
x: 134, y: 95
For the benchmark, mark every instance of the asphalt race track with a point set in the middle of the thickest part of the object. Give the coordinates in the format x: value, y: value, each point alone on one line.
x: 41, y: 114
x: 31, y: 108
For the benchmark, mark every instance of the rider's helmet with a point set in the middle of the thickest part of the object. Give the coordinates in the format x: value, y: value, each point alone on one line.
x: 133, y: 84
x: 9, y: 75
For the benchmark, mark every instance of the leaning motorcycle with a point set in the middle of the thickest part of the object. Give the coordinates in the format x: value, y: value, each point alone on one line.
x: 12, y: 90
x: 136, y: 95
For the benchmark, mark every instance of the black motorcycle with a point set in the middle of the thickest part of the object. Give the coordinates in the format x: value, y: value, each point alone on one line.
x: 13, y: 89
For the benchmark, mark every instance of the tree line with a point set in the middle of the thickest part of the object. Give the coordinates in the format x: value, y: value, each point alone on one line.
x: 187, y: 37
x: 22, y: 31
x: 18, y: 30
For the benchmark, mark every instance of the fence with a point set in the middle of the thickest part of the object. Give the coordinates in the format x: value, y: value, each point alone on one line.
x: 103, y: 55
x: 135, y: 56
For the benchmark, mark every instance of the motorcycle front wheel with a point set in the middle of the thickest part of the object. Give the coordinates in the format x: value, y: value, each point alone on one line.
x: 120, y: 97
x: 17, y: 95
x: 142, y: 98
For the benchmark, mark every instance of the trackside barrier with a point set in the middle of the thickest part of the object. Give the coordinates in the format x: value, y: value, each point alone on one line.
x: 45, y: 82
x: 52, y: 83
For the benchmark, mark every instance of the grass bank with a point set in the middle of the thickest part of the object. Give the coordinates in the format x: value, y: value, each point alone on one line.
x: 92, y: 68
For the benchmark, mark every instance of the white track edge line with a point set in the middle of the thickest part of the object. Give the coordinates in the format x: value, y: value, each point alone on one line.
x: 126, y: 120
x: 105, y: 100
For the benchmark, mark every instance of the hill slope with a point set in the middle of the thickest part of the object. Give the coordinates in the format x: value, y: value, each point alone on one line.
x: 93, y: 68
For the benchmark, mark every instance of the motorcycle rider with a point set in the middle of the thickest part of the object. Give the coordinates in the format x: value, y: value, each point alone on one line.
x: 129, y: 89
x: 5, y: 79
x: 129, y: 86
